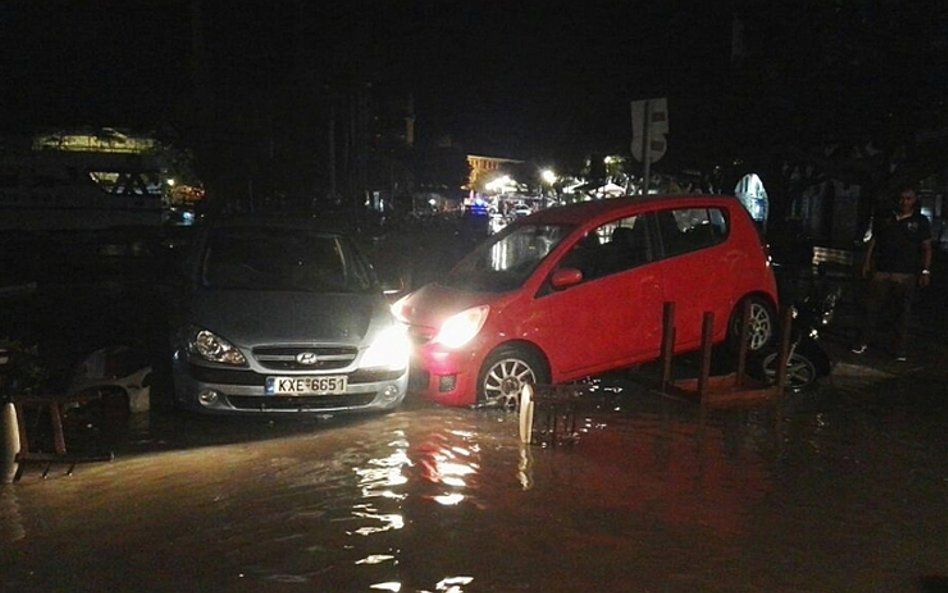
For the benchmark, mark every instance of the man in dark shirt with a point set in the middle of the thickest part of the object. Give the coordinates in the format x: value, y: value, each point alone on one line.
x: 901, y: 248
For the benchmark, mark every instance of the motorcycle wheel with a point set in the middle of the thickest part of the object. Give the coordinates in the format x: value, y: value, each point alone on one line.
x: 801, y: 372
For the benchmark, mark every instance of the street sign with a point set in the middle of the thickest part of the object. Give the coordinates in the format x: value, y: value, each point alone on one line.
x: 655, y: 111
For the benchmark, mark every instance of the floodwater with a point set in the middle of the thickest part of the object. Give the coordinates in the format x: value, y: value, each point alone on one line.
x: 844, y: 489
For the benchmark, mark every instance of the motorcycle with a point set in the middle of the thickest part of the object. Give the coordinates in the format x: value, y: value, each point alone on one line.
x: 807, y: 360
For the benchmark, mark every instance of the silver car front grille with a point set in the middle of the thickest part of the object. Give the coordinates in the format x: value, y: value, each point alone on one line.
x: 305, y: 358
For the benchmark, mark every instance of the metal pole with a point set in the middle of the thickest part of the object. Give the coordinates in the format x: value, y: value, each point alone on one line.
x: 628, y: 181
x: 742, y: 348
x: 646, y: 143
x: 668, y: 344
x: 707, y: 331
x: 782, y: 358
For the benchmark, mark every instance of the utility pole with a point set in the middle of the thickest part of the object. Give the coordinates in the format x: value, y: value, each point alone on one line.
x: 199, y: 62
x: 333, y: 187
x: 646, y: 146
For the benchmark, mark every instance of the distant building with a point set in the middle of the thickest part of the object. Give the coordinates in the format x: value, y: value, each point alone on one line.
x: 483, y: 169
x: 89, y: 179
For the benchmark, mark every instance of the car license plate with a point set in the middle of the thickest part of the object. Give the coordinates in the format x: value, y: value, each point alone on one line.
x: 325, y: 385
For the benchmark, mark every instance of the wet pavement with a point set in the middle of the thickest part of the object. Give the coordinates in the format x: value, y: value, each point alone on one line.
x: 842, y: 489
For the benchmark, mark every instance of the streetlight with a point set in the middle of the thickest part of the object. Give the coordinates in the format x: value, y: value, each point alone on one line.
x: 549, y: 178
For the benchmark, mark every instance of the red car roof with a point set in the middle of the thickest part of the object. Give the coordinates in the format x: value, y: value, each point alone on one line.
x: 584, y: 211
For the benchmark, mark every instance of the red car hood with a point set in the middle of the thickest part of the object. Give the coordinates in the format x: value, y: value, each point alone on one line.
x: 430, y: 305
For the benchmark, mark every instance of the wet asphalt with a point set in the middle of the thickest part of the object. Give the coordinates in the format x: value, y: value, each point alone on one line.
x: 842, y: 489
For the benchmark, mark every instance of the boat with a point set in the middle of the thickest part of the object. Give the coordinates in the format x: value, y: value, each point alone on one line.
x: 91, y: 180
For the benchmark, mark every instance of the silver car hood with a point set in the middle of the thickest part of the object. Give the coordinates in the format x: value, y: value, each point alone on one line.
x: 253, y: 317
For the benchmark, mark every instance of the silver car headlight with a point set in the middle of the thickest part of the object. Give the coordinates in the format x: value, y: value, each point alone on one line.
x: 214, y: 348
x: 390, y: 349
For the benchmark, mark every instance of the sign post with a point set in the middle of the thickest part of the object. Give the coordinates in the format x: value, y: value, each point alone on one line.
x: 649, y: 126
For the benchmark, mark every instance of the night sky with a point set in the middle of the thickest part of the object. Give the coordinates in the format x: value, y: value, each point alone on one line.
x: 527, y: 75
x: 517, y: 77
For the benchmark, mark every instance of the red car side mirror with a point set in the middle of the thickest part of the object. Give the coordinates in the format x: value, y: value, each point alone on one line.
x: 566, y: 277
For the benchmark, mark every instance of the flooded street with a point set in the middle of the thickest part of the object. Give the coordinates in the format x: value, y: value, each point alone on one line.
x: 226, y: 225
x: 840, y: 490
x: 845, y: 489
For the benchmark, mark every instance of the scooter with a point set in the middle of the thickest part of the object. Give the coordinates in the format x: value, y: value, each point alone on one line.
x: 807, y: 361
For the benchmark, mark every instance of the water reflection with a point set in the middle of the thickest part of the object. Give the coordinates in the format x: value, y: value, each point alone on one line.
x: 384, y: 474
x: 376, y: 559
x: 11, y: 519
x: 448, y: 585
x: 525, y: 467
x: 453, y: 584
x: 448, y: 458
x: 655, y: 494
x: 682, y: 468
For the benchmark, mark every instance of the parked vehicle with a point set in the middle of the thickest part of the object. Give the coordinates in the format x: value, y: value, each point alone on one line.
x: 807, y: 361
x: 285, y: 316
x: 578, y: 290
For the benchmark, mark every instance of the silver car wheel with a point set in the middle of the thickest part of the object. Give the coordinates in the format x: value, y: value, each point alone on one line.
x: 504, y: 379
x: 801, y: 374
x: 760, y: 326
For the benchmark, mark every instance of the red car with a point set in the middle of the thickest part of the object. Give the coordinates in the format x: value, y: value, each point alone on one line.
x: 579, y: 290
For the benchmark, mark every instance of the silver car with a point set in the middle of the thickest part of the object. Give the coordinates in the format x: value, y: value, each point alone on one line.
x: 284, y: 317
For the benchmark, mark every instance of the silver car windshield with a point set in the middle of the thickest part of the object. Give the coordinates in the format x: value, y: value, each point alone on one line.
x: 282, y: 259
x: 506, y: 260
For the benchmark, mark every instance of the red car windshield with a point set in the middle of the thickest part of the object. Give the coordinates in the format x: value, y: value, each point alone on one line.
x: 506, y: 260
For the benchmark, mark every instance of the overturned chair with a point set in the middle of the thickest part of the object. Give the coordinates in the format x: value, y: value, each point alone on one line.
x: 548, y: 413
x: 53, y: 406
x: 21, y: 428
